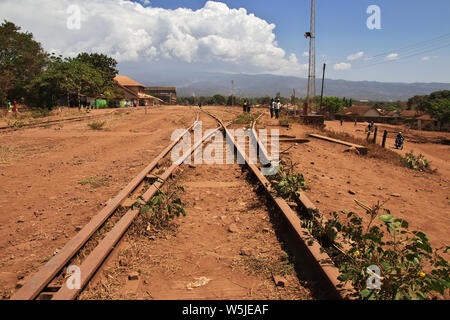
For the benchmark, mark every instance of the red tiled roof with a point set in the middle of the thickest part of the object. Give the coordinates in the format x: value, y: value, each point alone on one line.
x: 411, y: 113
x: 426, y: 117
x: 358, y: 110
x: 126, y: 81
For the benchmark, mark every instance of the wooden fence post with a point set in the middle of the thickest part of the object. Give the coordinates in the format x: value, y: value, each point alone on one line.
x: 375, y: 135
x: 384, y: 138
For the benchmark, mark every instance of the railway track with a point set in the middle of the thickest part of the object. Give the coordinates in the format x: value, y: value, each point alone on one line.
x: 119, y: 214
x: 54, y: 122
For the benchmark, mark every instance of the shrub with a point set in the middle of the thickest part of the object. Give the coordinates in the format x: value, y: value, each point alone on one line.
x: 410, y: 267
x: 418, y: 163
x: 287, y: 183
x: 97, y: 125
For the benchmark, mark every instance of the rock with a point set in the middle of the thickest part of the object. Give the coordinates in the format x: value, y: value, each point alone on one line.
x: 246, y: 252
x: 351, y: 192
x: 317, y: 201
x: 123, y: 262
x: 192, y: 166
x: 352, y: 150
x: 267, y: 230
x: 233, y: 228
x: 20, y: 284
x: 20, y: 220
x: 133, y: 276
x: 279, y: 281
x: 77, y: 228
x: 395, y: 195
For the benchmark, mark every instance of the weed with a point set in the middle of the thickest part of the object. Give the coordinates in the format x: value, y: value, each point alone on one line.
x: 97, y: 125
x: 418, y: 163
x: 40, y: 114
x: 159, y: 211
x: 410, y: 267
x: 287, y: 183
x: 246, y: 118
x: 94, y: 182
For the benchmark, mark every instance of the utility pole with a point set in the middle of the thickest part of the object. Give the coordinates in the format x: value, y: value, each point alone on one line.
x: 312, y: 55
x: 323, y: 82
x: 293, y: 102
x: 232, y: 93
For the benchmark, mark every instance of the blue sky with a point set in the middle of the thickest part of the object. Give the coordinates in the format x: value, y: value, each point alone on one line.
x: 247, y: 36
x: 342, y: 31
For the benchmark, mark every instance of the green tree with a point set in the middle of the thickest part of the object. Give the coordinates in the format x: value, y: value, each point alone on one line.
x: 65, y: 76
x: 333, y: 104
x: 105, y: 65
x: 219, y: 99
x: 21, y: 60
x: 437, y: 104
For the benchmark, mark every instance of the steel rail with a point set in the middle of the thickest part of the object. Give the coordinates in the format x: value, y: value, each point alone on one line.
x: 96, y: 258
x: 321, y: 262
x: 45, y: 275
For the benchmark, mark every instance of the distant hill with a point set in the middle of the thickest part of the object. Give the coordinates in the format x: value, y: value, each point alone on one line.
x: 246, y: 85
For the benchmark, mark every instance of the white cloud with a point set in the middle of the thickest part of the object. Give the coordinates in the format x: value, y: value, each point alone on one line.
x: 305, y: 54
x: 342, y: 66
x: 426, y: 58
x: 128, y: 31
x: 355, y: 56
x: 392, y: 56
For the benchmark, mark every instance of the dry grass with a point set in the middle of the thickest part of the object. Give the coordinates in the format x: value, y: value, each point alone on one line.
x: 375, y: 151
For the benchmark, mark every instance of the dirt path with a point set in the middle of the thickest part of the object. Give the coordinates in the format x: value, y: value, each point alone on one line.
x: 226, y: 240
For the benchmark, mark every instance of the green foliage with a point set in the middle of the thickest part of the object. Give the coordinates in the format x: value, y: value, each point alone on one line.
x: 246, y: 118
x: 334, y: 104
x: 414, y: 162
x: 437, y: 104
x: 21, y: 60
x: 96, y: 125
x: 164, y: 207
x: 103, y: 64
x: 410, y: 267
x: 287, y: 183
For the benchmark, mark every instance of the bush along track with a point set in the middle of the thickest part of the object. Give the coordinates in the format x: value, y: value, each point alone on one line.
x: 408, y: 267
x: 418, y: 163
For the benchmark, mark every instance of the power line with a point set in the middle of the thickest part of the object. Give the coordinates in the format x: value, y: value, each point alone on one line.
x: 409, y: 51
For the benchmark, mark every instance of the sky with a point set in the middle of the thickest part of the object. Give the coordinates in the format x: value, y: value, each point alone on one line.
x: 410, y: 41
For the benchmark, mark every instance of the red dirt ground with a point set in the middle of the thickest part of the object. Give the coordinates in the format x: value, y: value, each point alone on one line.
x: 42, y: 201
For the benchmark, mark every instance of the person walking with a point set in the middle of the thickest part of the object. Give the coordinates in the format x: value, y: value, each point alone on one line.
x: 244, y: 105
x: 10, y: 107
x: 272, y: 108
x: 277, y: 109
x: 15, y: 108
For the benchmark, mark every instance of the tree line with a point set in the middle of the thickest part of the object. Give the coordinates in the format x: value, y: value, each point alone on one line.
x: 436, y: 104
x: 36, y: 78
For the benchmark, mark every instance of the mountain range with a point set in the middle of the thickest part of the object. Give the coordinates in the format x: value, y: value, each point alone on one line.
x: 251, y: 85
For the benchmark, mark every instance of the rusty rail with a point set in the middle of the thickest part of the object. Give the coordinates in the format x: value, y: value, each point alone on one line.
x: 321, y: 262
x: 46, y: 274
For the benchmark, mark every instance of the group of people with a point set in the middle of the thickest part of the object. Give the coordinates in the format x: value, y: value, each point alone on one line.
x: 371, y: 126
x: 13, y: 107
x: 246, y: 105
x: 275, y: 107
